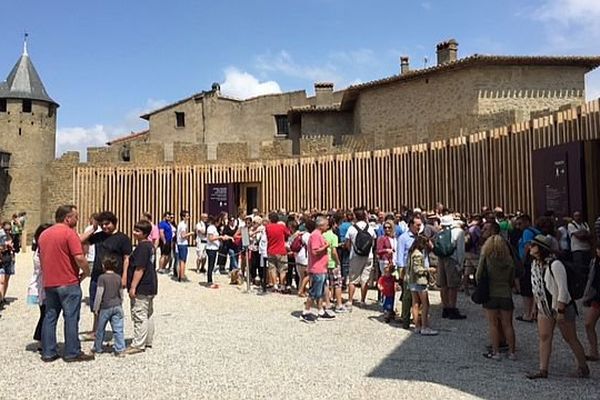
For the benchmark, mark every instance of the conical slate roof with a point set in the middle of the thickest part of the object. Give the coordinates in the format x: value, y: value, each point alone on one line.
x: 23, y: 82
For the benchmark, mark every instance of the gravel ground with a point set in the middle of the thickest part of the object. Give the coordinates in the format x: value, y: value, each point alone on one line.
x: 229, y: 344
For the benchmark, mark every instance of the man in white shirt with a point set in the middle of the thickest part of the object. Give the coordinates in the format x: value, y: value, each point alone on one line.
x: 201, y: 243
x: 581, y: 240
x: 183, y: 234
x: 361, y: 265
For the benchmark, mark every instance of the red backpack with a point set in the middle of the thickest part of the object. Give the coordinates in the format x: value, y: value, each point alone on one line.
x: 297, y: 243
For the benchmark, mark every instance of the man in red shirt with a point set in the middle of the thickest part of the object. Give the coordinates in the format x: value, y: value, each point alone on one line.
x: 317, y: 270
x: 64, y: 266
x: 277, y: 235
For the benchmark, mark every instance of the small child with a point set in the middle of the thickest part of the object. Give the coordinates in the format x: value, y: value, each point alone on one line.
x: 387, y: 286
x: 107, y: 307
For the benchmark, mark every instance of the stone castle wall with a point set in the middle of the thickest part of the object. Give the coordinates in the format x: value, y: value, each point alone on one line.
x: 463, y: 101
x: 30, y: 138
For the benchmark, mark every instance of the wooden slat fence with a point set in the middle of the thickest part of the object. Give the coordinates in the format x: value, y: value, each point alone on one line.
x: 486, y: 168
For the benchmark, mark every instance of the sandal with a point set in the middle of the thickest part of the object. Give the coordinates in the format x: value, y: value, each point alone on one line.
x: 523, y: 319
x: 582, y: 372
x: 492, y: 356
x: 541, y: 374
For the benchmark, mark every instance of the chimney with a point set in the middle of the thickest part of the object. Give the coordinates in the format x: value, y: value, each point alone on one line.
x: 324, y: 93
x: 447, y: 52
x: 404, y: 66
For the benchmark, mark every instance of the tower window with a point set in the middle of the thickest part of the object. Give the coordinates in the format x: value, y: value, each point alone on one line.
x: 180, y: 118
x: 26, y: 106
x: 51, y: 110
x: 282, y: 125
x: 2, y: 105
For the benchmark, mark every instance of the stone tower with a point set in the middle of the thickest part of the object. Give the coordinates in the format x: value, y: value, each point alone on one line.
x: 28, y: 133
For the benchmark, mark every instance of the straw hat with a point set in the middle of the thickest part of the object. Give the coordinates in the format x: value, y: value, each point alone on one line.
x: 542, y: 241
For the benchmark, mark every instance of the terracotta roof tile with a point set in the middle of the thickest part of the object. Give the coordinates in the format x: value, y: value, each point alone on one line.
x: 589, y: 62
x: 128, y: 138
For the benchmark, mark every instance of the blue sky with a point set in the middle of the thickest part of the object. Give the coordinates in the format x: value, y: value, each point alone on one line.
x: 109, y: 61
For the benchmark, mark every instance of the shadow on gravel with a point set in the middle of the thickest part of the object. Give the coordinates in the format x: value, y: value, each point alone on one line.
x: 454, y: 359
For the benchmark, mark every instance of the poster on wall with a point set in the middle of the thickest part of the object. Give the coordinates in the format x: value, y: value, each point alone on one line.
x: 219, y: 198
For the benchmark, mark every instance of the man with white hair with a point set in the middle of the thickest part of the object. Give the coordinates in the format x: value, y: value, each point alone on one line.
x: 450, y: 248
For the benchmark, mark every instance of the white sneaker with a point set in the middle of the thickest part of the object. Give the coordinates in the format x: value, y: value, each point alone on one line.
x: 428, y: 332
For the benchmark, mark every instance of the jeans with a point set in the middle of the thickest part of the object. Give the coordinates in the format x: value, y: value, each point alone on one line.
x: 142, y: 309
x: 211, y: 255
x: 67, y: 299
x: 116, y: 318
x: 233, y: 259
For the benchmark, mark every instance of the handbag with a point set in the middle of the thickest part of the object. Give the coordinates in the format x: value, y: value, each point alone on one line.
x: 481, y: 294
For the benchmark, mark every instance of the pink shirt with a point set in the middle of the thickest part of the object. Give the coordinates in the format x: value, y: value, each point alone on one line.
x: 317, y: 264
x: 154, y: 234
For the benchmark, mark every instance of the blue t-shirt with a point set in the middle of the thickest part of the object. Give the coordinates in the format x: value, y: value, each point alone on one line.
x: 343, y: 230
x: 527, y: 236
x: 165, y: 226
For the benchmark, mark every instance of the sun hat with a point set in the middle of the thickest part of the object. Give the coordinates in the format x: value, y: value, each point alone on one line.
x: 542, y: 241
x: 447, y: 220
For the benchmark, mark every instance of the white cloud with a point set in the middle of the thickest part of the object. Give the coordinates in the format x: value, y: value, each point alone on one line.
x: 592, y: 85
x: 79, y: 138
x: 284, y: 63
x: 569, y: 11
x: 342, y: 68
x: 571, y: 25
x: 243, y: 85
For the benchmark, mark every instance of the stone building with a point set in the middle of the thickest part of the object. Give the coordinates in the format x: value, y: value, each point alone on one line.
x: 28, y: 134
x: 456, y: 97
x: 453, y: 98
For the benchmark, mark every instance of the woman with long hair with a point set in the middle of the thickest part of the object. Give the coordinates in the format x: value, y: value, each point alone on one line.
x: 497, y: 264
x: 555, y: 306
x: 35, y: 290
x: 417, y: 275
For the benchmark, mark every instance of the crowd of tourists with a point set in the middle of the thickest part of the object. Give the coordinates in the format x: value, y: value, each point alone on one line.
x: 325, y: 257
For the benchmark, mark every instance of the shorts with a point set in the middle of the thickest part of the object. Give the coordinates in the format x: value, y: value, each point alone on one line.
x: 334, y: 277
x: 570, y: 314
x: 360, y: 270
x: 93, y: 290
x: 8, y: 269
x: 301, y: 269
x: 499, y: 303
x: 388, y: 303
x: 165, y: 249
x: 279, y: 263
x: 317, y: 286
x: 449, y: 274
x: 201, y: 249
x: 182, y: 252
x: 415, y: 287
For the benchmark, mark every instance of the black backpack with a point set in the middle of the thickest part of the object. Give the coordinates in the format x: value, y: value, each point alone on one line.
x: 363, y: 243
x: 576, y: 280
